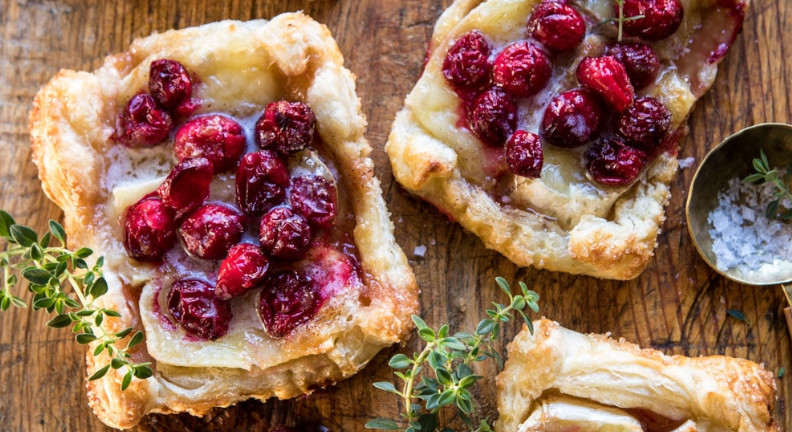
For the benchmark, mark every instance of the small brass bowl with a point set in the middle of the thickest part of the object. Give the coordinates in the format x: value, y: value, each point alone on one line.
x: 733, y: 158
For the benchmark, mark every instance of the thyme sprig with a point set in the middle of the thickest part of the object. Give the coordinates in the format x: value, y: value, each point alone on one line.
x: 449, y: 378
x: 63, y: 283
x: 620, y: 20
x: 764, y: 174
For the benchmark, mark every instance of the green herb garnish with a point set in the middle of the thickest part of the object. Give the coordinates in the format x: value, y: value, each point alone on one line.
x: 764, y: 175
x: 738, y: 315
x: 619, y: 20
x: 63, y: 283
x: 449, y: 358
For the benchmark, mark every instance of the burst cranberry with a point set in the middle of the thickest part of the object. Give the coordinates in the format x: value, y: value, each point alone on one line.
x: 143, y: 123
x: 187, y: 186
x: 217, y: 138
x: 315, y: 198
x: 661, y: 18
x: 211, y: 230
x: 193, y: 305
x: 149, y: 230
x: 288, y: 300
x: 284, y: 234
x: 613, y: 163
x: 571, y: 119
x: 639, y: 60
x: 557, y: 25
x: 467, y: 65
x: 645, y: 123
x: 169, y: 83
x: 607, y: 77
x: 260, y: 182
x: 286, y: 127
x: 244, y: 268
x: 493, y: 116
x: 524, y: 154
x: 522, y: 69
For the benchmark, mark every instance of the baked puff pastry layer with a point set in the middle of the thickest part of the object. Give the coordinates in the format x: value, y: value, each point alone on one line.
x: 557, y: 379
x: 562, y: 221
x: 242, y: 66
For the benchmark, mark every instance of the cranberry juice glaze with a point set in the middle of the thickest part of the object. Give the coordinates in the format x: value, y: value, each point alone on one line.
x: 295, y: 218
x: 623, y: 131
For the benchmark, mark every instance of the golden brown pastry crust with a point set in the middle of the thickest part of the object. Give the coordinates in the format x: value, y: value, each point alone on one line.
x: 71, y: 125
x: 715, y: 393
x: 439, y: 163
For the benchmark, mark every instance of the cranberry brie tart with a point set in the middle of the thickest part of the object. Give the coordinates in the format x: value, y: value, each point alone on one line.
x: 559, y: 380
x: 550, y: 128
x: 223, y: 173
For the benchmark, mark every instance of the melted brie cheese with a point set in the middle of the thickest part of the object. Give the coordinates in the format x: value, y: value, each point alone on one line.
x: 567, y: 414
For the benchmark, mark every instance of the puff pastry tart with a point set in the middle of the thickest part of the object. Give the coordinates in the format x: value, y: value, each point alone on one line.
x: 223, y: 173
x: 539, y: 130
x: 560, y: 380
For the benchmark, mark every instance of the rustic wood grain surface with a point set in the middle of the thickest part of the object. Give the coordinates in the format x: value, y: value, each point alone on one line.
x: 678, y: 305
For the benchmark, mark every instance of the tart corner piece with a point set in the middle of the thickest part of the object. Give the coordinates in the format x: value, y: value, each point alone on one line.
x: 556, y: 379
x: 329, y: 302
x: 557, y: 146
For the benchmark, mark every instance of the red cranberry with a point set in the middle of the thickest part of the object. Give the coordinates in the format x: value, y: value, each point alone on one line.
x: 645, y: 123
x: 493, y: 116
x: 284, y: 234
x: 187, y: 186
x: 524, y: 154
x: 244, y: 268
x: 211, y: 230
x: 169, y: 83
x: 557, y: 25
x: 217, y: 138
x: 144, y: 124
x: 260, y: 182
x: 613, y: 163
x: 571, y: 119
x: 286, y: 127
x: 287, y: 301
x: 522, y: 69
x: 661, y: 18
x: 639, y: 60
x: 149, y: 230
x: 315, y: 198
x: 467, y: 65
x: 607, y: 77
x: 193, y: 305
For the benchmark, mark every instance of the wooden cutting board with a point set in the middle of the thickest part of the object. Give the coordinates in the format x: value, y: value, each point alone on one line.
x: 678, y: 305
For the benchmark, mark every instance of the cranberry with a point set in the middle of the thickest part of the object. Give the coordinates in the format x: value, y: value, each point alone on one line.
x: 217, y: 138
x: 169, y: 83
x: 607, y: 77
x: 645, y: 123
x: 524, y: 154
x: 211, y: 230
x: 315, y: 197
x: 193, y: 305
x: 260, y: 182
x: 143, y: 123
x: 613, y: 163
x: 149, y: 230
x: 287, y: 301
x: 557, y: 25
x: 639, y: 60
x: 286, y: 127
x: 284, y: 234
x: 467, y: 65
x: 571, y: 119
x: 187, y: 186
x: 493, y: 116
x: 244, y: 267
x: 522, y: 69
x: 661, y: 18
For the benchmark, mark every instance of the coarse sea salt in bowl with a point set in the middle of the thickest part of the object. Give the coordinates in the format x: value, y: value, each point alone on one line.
x: 726, y: 217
